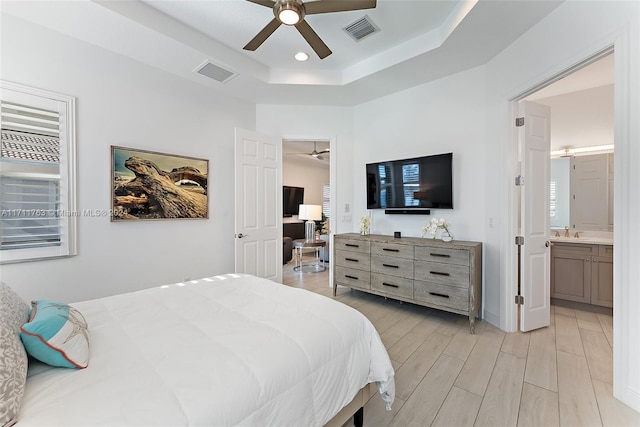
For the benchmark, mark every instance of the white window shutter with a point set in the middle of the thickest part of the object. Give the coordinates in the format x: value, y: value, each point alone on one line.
x: 37, y: 175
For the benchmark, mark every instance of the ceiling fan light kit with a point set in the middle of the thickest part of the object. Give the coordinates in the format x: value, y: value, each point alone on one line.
x: 289, y: 12
x: 292, y: 12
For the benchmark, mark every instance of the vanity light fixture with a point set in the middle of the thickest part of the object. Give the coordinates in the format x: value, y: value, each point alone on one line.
x: 582, y: 150
x: 301, y: 56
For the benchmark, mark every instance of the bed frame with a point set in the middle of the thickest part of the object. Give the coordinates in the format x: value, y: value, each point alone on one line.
x: 353, y: 409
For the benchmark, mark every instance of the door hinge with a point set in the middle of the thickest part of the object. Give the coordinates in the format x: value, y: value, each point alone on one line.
x: 519, y: 121
x: 519, y: 180
x: 519, y: 300
x: 519, y: 240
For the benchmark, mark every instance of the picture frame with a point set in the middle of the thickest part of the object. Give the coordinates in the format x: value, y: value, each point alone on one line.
x: 150, y: 185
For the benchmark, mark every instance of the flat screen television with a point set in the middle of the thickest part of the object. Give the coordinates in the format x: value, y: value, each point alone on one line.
x: 292, y: 198
x: 417, y: 183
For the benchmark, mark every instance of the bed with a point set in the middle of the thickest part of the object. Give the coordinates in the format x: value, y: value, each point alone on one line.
x: 226, y: 350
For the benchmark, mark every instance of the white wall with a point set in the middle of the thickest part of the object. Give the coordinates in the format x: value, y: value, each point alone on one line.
x: 434, y: 118
x: 570, y: 34
x: 311, y: 178
x: 581, y: 119
x: 122, y: 102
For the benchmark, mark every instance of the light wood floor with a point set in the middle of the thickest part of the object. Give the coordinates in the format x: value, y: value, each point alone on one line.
x: 556, y: 376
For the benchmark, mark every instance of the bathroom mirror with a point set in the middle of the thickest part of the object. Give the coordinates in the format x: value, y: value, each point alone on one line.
x: 581, y: 192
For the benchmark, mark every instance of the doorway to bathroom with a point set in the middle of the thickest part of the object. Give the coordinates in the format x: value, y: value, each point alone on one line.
x: 574, y: 266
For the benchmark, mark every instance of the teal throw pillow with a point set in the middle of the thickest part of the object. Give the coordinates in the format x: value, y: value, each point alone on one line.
x: 56, y: 334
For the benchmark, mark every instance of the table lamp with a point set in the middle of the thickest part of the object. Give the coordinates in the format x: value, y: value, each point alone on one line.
x: 310, y: 213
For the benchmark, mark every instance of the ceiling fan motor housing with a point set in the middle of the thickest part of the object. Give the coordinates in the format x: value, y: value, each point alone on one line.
x: 285, y: 6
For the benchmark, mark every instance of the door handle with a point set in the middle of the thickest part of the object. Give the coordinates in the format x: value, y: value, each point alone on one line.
x: 240, y: 235
x: 547, y: 244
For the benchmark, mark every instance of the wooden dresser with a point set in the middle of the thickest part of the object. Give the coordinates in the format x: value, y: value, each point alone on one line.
x: 428, y: 272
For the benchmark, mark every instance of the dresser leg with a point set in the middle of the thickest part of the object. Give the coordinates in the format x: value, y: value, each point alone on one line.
x: 472, y: 324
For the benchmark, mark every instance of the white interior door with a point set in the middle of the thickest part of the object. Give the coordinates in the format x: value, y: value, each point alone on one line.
x: 535, y: 140
x: 258, y: 205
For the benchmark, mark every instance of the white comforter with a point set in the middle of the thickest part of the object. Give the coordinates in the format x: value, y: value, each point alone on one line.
x: 225, y: 350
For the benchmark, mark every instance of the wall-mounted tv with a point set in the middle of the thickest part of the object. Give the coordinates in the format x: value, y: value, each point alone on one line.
x: 292, y: 198
x: 417, y: 183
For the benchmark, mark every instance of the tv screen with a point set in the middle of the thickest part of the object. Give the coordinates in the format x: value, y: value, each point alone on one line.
x: 421, y: 182
x: 292, y: 198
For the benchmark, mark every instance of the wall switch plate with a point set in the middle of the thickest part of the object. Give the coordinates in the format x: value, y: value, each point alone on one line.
x: 347, y: 208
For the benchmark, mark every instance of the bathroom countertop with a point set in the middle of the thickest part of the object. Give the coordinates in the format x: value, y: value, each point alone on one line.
x: 584, y: 240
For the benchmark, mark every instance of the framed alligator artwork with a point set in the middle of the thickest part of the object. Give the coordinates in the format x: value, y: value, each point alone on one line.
x: 151, y: 185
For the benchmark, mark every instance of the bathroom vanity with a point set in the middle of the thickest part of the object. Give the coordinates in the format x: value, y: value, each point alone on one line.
x: 582, y: 270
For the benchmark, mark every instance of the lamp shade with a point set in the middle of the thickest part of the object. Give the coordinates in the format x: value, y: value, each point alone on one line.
x: 310, y: 212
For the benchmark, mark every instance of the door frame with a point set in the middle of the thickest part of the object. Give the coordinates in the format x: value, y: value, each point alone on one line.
x: 626, y: 349
x: 332, y: 180
x: 511, y: 310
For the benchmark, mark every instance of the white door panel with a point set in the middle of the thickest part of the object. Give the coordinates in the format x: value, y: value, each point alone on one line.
x: 535, y: 139
x: 258, y: 205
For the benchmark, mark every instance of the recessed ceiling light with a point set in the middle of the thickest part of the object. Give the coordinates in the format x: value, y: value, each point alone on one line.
x: 301, y: 56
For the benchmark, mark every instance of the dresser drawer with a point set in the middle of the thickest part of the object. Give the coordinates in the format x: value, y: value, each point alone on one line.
x: 442, y: 295
x: 392, y: 285
x: 400, y: 267
x: 352, y: 278
x: 352, y: 245
x: 392, y: 249
x: 443, y: 255
x: 437, y: 272
x: 349, y: 259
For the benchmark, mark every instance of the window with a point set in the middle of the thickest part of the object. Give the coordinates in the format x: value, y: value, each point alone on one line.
x: 410, y: 183
x: 386, y: 185
x: 553, y: 195
x: 37, y: 174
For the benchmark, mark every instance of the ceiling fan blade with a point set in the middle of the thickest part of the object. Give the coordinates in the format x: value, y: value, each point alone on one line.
x: 263, y: 35
x: 328, y: 6
x: 266, y: 3
x: 313, y: 39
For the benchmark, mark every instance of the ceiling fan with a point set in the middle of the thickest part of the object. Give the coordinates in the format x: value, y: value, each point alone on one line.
x: 318, y: 155
x: 315, y: 153
x: 292, y: 12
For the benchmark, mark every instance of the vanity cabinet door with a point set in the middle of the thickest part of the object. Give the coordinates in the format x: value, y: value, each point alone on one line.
x: 602, y: 281
x: 571, y: 276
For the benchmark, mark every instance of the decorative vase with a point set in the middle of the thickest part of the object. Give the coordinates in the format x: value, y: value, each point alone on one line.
x: 446, y: 237
x: 364, y: 231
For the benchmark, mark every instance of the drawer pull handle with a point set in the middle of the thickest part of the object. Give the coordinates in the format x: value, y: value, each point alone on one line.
x: 391, y: 266
x: 390, y: 250
x: 350, y: 277
x: 439, y: 273
x: 441, y: 255
x: 351, y: 245
x: 438, y: 295
x: 390, y: 285
x: 351, y: 259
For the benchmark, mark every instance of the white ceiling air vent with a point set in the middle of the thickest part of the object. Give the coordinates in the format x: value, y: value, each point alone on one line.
x: 215, y: 72
x: 362, y: 28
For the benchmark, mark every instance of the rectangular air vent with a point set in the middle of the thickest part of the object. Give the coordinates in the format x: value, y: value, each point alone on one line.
x: 362, y: 28
x: 215, y: 72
